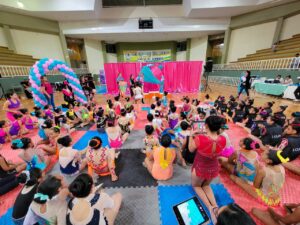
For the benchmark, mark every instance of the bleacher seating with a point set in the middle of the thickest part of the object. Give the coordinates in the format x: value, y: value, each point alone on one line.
x: 8, y: 57
x: 285, y: 49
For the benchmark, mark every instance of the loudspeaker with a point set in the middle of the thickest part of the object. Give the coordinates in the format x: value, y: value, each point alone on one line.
x: 146, y: 24
x: 110, y: 48
x: 181, y: 46
x: 208, y: 65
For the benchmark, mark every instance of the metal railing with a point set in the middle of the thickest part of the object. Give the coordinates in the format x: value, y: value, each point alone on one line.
x: 230, y: 81
x: 269, y: 64
x: 15, y: 71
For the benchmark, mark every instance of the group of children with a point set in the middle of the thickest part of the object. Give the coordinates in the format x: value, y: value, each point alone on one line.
x: 258, y: 166
x: 192, y: 132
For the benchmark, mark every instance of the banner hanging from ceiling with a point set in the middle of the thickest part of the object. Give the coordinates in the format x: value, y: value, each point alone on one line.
x: 147, y: 56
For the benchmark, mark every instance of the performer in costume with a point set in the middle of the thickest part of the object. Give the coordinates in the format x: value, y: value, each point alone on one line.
x: 122, y: 84
x: 162, y: 84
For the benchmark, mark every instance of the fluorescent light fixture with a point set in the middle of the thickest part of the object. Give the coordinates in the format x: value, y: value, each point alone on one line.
x: 20, y: 4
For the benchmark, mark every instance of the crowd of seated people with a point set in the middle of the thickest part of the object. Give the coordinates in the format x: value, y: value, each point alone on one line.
x: 193, y: 134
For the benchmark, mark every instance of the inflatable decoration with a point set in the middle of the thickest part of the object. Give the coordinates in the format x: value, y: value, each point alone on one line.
x: 151, y: 73
x: 41, y: 68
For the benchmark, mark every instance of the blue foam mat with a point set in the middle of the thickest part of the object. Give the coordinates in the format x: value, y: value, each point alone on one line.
x: 82, y: 143
x: 6, y: 218
x: 146, y: 109
x: 101, y: 89
x: 173, y: 195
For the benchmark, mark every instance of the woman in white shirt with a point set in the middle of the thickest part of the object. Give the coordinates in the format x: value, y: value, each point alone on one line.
x: 90, y: 205
x: 288, y: 80
x: 49, y: 204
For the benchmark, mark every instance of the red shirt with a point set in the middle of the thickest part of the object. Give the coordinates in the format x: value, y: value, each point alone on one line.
x: 206, y: 161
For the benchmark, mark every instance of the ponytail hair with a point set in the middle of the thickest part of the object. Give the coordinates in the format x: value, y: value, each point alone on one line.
x: 250, y: 144
x: 82, y: 185
x: 30, y: 178
x: 47, y: 189
x: 95, y: 142
x: 22, y: 143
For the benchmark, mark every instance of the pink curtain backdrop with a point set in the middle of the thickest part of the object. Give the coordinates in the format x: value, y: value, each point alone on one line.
x: 179, y: 76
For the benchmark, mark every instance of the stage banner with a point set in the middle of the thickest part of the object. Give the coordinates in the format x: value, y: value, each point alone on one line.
x: 147, y: 56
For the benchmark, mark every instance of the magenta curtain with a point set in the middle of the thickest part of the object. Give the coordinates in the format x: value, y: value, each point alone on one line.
x: 179, y: 76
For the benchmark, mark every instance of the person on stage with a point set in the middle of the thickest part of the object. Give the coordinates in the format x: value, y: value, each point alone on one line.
x: 131, y: 80
x: 162, y: 84
x: 122, y: 85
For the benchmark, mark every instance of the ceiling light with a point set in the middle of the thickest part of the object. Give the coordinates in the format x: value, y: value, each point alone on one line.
x: 20, y: 4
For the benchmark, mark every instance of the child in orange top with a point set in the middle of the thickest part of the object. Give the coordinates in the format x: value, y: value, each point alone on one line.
x: 160, y: 162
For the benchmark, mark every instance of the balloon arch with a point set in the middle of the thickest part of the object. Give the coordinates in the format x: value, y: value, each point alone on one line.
x: 41, y: 68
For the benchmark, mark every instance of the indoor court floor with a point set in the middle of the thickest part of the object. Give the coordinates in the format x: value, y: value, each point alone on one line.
x: 146, y: 201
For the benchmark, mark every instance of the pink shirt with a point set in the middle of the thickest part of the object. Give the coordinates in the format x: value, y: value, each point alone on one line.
x: 48, y: 88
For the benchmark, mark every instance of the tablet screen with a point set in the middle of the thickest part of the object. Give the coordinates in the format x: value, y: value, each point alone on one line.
x: 190, y: 212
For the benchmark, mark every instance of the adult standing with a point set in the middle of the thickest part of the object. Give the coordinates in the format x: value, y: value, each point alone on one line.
x: 205, y: 167
x: 131, y: 80
x: 122, y: 87
x: 245, y: 83
x: 12, y: 106
x: 162, y: 84
x: 48, y: 91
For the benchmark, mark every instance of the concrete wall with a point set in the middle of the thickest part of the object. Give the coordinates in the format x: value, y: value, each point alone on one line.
x: 181, y: 56
x: 198, y: 48
x: 3, y: 41
x: 39, y: 45
x: 290, y: 27
x: 247, y: 40
x: 94, y: 55
x: 112, y: 58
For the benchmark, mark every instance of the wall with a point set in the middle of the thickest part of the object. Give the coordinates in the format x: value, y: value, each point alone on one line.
x: 181, y: 56
x: 111, y: 57
x: 290, y: 27
x: 146, y: 46
x: 94, y: 55
x: 247, y: 40
x: 3, y: 41
x: 198, y: 48
x: 39, y: 45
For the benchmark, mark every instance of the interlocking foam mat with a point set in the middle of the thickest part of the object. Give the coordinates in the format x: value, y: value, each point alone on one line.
x: 82, y: 143
x: 130, y: 171
x: 170, y: 196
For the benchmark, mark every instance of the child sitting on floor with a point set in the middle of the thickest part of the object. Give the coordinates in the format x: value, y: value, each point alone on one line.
x: 69, y: 159
x: 268, y: 182
x: 114, y: 133
x: 117, y: 105
x: 29, y: 154
x: 131, y: 115
x: 152, y: 109
x: 160, y: 161
x: 27, y: 120
x: 158, y: 123
x: 101, y: 120
x: 173, y: 117
x: 244, y: 162
x: 124, y: 122
x: 61, y: 120
x: 150, y: 141
x: 72, y: 117
x: 101, y: 160
x: 228, y: 150
x: 4, y: 132
x: 17, y: 128
x: 48, y: 112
